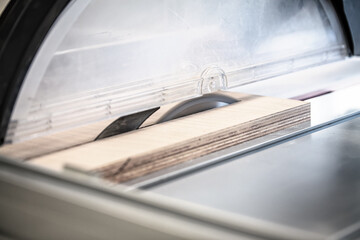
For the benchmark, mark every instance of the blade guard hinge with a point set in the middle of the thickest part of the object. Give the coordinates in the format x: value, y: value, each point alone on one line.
x: 213, y: 79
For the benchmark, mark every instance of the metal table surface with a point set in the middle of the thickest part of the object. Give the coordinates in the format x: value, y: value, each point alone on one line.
x: 311, y: 182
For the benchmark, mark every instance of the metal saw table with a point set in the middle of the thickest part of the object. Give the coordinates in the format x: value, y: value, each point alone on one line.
x: 311, y: 182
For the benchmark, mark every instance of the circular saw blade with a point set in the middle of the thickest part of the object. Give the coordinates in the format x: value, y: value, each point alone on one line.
x: 166, y: 113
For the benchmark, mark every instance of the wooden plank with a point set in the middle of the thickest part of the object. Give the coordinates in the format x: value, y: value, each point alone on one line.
x: 43, y: 145
x: 130, y: 155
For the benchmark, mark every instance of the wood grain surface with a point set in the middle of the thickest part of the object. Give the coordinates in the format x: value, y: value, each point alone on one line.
x: 140, y: 152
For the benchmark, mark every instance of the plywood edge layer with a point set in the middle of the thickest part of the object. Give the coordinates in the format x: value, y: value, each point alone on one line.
x: 122, y: 173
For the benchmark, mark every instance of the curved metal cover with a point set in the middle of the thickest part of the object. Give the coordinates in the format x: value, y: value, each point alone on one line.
x: 106, y: 59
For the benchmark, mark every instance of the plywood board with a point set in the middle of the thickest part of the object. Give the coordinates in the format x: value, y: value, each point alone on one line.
x: 137, y: 153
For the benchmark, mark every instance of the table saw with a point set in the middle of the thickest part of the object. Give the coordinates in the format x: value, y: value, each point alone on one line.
x: 169, y: 119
